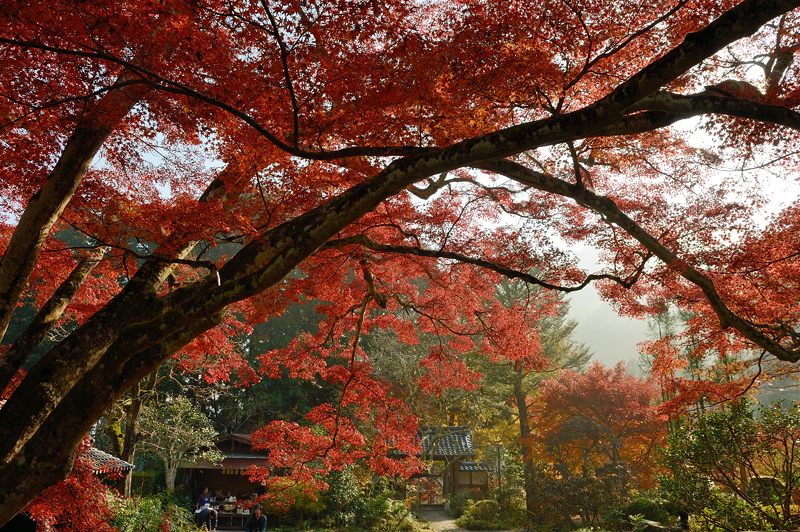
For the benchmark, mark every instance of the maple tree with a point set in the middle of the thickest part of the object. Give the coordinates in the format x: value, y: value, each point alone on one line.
x: 167, y: 165
x: 597, y: 436
x: 603, y: 415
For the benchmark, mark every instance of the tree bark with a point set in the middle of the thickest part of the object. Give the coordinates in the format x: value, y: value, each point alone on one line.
x: 170, y: 472
x: 113, y: 430
x: 41, y: 463
x: 139, y: 396
x: 528, y: 472
x: 47, y: 204
x: 46, y: 318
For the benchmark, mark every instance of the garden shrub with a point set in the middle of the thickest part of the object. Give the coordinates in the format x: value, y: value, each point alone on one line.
x: 481, y: 515
x: 344, y: 500
x: 374, y: 510
x: 154, y: 512
x: 292, y: 502
x: 650, y: 507
x: 726, y: 511
x: 397, y: 516
x: 458, y: 502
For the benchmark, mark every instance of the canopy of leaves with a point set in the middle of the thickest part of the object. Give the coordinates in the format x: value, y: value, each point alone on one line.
x: 177, y: 431
x: 600, y: 417
x: 390, y: 161
x: 748, y: 454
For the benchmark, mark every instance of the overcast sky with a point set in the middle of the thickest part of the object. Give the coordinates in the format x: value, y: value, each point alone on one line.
x: 612, y: 338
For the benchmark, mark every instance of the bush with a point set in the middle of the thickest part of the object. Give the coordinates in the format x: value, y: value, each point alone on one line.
x: 397, y: 516
x: 351, y: 503
x: 728, y: 512
x: 292, y: 502
x: 650, y: 507
x: 374, y: 510
x: 481, y: 515
x: 458, y: 502
x: 155, y: 512
x: 344, y: 500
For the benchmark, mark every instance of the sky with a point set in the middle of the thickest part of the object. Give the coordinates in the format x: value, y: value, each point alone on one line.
x: 612, y: 338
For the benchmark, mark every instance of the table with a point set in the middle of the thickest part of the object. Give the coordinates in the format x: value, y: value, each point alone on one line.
x: 232, y: 519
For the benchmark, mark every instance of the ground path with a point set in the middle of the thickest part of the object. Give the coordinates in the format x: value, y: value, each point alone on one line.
x: 440, y: 521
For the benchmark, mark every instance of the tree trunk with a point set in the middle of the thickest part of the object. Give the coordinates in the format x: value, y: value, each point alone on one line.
x: 170, y: 472
x: 139, y: 396
x: 41, y: 463
x: 528, y: 473
x: 113, y: 430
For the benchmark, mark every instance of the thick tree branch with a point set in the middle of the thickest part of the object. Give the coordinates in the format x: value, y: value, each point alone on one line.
x: 699, y: 104
x: 45, y: 206
x: 736, y: 23
x: 41, y: 463
x: 315, y: 227
x: 607, y: 207
x: 38, y: 395
x: 48, y: 315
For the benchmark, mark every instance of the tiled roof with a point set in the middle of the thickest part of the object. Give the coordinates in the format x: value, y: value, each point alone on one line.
x: 474, y: 466
x: 446, y: 441
x: 103, y: 462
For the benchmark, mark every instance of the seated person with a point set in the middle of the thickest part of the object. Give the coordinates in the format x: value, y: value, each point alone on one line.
x: 257, y: 521
x: 204, y: 512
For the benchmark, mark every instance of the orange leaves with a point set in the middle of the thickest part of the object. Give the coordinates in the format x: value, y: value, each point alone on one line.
x: 366, y: 426
x: 601, y: 416
x: 446, y: 373
x: 80, y: 502
x: 404, y: 329
x: 216, y: 356
x: 514, y: 337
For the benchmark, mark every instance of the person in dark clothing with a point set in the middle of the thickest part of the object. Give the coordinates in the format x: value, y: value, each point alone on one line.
x: 257, y: 521
x: 203, y: 512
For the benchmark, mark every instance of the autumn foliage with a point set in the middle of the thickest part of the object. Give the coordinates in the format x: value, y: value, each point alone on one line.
x: 599, y: 417
x: 173, y: 172
x: 81, y: 502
